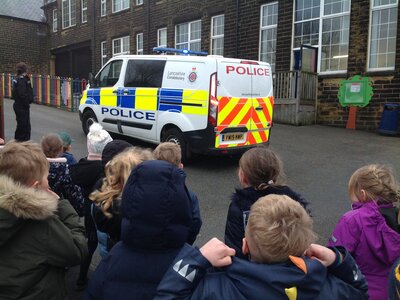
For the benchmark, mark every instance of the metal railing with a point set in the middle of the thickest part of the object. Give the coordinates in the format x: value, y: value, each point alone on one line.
x: 60, y: 92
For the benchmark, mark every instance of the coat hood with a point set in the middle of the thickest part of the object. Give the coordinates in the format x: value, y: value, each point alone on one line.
x: 155, y: 207
x: 19, y: 203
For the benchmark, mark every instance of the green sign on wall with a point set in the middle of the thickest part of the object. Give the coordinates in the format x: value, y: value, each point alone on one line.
x: 356, y: 91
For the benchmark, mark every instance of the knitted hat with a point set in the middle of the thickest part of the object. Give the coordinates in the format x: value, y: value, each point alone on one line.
x: 97, y: 139
x: 112, y: 149
x: 66, y: 138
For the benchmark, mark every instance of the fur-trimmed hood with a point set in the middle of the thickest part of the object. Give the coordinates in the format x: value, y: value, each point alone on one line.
x: 19, y: 203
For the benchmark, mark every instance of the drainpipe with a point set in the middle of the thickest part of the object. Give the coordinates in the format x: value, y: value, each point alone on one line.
x: 148, y: 26
x: 237, y: 29
x: 94, y: 37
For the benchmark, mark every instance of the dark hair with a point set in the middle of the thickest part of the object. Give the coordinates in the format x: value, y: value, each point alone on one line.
x: 21, y: 68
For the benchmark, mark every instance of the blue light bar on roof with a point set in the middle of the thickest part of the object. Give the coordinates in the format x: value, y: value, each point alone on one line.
x: 180, y: 51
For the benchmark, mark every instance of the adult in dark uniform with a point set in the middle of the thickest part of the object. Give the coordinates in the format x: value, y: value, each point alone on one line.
x: 22, y: 93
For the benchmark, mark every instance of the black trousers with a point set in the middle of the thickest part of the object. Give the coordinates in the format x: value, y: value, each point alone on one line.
x: 23, y: 130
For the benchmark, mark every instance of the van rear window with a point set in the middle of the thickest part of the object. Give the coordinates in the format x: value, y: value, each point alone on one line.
x: 144, y: 73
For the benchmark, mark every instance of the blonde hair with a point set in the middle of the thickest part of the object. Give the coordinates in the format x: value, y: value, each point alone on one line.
x: 261, y: 167
x: 117, y: 172
x: 24, y: 162
x: 278, y: 227
x: 169, y: 152
x: 52, y: 145
x: 378, y: 182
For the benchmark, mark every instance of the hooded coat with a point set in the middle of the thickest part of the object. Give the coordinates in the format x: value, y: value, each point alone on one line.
x: 373, y: 244
x: 304, y: 278
x: 156, y: 220
x: 39, y: 237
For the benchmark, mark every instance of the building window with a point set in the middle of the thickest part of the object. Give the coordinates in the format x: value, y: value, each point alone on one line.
x: 55, y: 20
x: 84, y: 11
x: 217, y: 35
x: 103, y: 53
x: 382, y: 39
x: 120, y: 46
x: 139, y: 2
x: 68, y: 13
x: 324, y: 24
x: 139, y: 44
x: 118, y: 5
x: 162, y: 37
x: 103, y: 8
x: 268, y: 27
x: 188, y: 36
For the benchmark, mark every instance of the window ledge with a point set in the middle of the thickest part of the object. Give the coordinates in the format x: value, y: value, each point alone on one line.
x: 380, y: 73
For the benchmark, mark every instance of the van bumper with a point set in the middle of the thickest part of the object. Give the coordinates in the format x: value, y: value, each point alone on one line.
x: 203, y: 142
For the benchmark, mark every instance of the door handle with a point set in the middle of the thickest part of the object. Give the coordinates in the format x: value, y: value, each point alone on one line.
x: 259, y: 108
x: 115, y: 91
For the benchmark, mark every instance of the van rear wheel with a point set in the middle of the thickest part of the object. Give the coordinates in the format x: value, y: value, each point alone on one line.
x: 174, y: 135
x: 88, y: 119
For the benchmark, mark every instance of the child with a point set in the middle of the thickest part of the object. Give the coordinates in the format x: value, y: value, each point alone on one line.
x: 394, y: 281
x: 156, y: 219
x: 59, y: 179
x: 40, y: 235
x: 172, y: 153
x: 365, y: 232
x: 278, y: 233
x: 85, y: 174
x: 66, y: 139
x: 106, y: 212
x: 260, y: 174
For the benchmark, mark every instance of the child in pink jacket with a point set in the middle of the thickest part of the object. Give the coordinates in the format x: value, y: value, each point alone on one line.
x: 370, y: 231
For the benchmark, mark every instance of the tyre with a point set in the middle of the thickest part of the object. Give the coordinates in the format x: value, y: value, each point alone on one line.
x: 174, y: 135
x: 88, y: 119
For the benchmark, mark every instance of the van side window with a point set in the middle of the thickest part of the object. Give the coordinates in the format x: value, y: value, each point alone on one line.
x: 144, y: 73
x: 110, y: 74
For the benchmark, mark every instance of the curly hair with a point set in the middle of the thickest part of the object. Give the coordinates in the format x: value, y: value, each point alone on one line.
x: 52, y: 145
x: 278, y: 227
x: 117, y: 172
x: 378, y: 182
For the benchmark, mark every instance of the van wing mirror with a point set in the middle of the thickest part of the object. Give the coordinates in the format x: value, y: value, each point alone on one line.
x: 92, y: 80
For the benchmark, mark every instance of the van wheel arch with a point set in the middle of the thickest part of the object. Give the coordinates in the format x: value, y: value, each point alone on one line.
x: 174, y: 134
x: 88, y: 118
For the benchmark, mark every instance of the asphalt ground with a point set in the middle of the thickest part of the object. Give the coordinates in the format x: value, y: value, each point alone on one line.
x: 318, y: 162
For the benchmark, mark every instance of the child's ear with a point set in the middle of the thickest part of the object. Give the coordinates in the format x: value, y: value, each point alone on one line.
x: 363, y: 195
x: 180, y: 165
x: 245, y: 247
x: 35, y: 184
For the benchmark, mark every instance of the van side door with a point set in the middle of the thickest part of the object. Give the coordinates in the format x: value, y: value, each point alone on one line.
x: 138, y: 100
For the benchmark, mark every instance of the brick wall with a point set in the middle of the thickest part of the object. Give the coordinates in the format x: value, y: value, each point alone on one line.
x: 24, y: 41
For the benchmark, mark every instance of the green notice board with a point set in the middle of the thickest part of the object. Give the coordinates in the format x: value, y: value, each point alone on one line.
x: 356, y: 91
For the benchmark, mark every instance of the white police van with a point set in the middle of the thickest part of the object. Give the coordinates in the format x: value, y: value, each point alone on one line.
x: 206, y: 104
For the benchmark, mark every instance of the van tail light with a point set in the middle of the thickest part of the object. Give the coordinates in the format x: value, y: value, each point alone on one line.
x: 249, y: 62
x: 213, y: 101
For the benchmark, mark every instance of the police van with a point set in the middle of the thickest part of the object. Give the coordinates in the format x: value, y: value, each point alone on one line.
x: 206, y: 104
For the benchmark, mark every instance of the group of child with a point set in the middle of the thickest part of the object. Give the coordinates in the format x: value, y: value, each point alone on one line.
x: 138, y: 208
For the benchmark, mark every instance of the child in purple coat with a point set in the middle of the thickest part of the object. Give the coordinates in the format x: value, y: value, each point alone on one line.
x: 370, y: 231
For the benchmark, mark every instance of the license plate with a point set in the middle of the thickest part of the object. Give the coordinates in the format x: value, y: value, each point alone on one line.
x: 232, y: 137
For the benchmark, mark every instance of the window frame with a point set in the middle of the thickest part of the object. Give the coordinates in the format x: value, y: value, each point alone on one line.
x: 122, y: 7
x: 371, y: 10
x: 121, y: 39
x: 265, y: 28
x: 189, y: 41
x: 158, y: 37
x: 84, y: 11
x: 71, y: 12
x: 321, y: 18
x: 103, y: 8
x: 55, y: 20
x: 139, y: 2
x: 139, y: 51
x: 219, y: 36
x: 103, y: 53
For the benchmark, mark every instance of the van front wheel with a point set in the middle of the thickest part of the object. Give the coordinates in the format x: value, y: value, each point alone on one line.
x: 174, y: 135
x: 88, y: 119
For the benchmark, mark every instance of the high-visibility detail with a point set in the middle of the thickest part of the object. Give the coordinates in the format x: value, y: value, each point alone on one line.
x: 107, y: 97
x: 93, y: 97
x: 146, y: 99
x: 253, y: 113
x: 170, y: 100
x: 195, y: 102
x: 84, y: 97
x: 126, y: 98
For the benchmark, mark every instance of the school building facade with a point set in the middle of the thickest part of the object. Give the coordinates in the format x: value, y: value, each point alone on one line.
x: 351, y: 37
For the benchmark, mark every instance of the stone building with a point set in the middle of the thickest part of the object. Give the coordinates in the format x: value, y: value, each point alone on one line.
x: 351, y: 37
